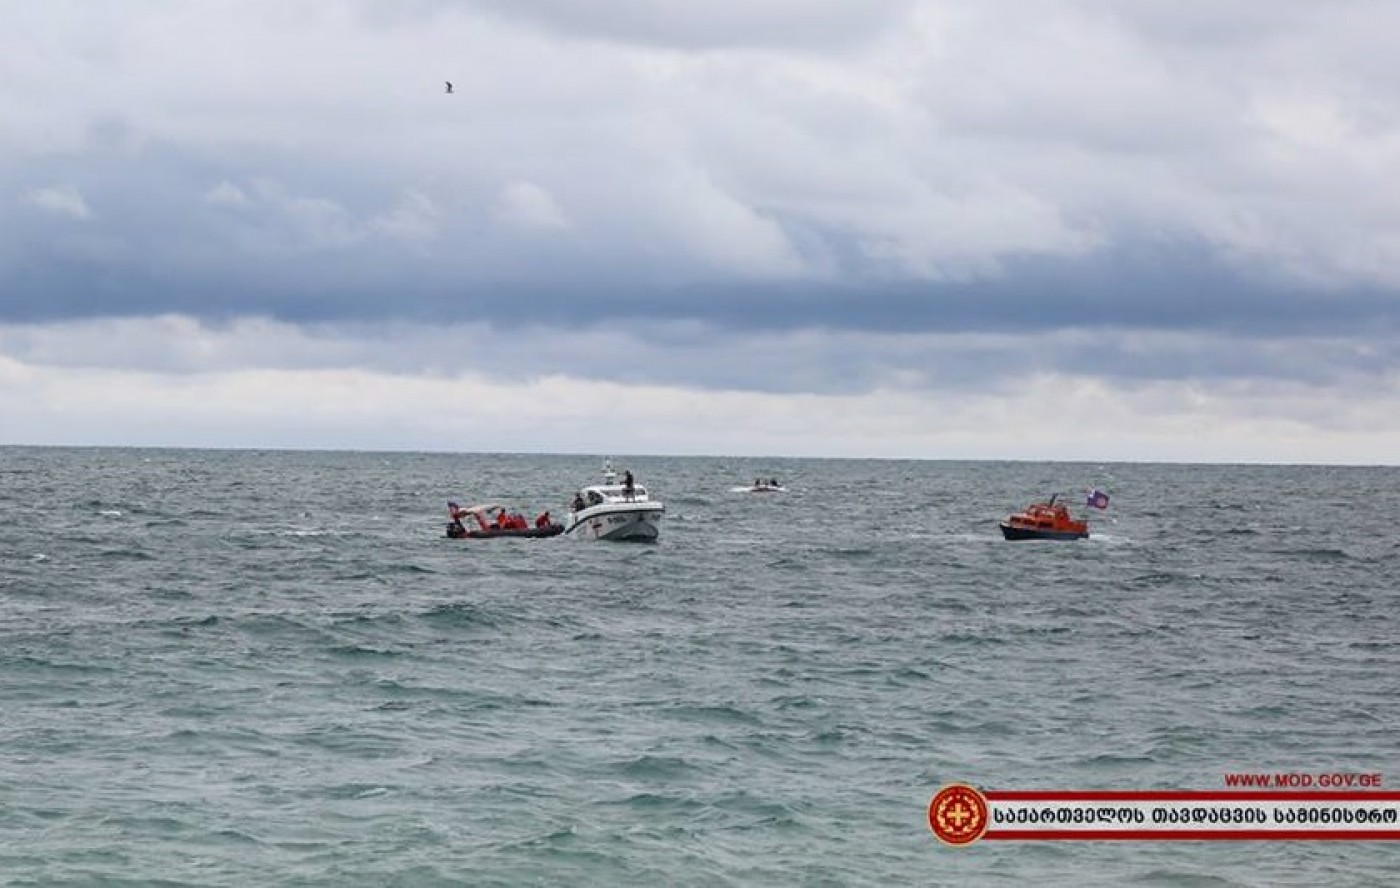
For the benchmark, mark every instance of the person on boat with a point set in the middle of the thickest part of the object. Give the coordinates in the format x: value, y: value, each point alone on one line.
x: 629, y: 487
x: 578, y: 504
x: 543, y: 519
x: 455, y: 529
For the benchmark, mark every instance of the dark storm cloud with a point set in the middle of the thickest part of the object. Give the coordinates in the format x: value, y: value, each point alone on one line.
x: 761, y: 167
x: 698, y: 358
x: 170, y: 233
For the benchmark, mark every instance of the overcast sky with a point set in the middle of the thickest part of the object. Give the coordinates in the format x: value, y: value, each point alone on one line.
x: 1066, y: 229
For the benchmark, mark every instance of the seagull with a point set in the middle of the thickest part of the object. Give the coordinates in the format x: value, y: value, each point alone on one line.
x: 449, y: 85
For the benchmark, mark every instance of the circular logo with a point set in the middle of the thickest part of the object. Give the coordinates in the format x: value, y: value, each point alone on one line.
x: 958, y: 814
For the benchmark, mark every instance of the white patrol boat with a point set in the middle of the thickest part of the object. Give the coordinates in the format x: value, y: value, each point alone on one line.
x: 615, y: 512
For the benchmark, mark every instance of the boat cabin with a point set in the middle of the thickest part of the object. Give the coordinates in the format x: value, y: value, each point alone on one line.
x: 1043, y: 515
x: 611, y: 493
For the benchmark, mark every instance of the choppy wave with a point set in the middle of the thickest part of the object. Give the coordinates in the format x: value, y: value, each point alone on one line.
x: 211, y: 674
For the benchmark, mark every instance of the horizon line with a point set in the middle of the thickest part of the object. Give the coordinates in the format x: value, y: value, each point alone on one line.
x: 616, y: 456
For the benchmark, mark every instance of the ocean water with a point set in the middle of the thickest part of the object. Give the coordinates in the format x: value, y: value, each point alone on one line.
x: 271, y: 668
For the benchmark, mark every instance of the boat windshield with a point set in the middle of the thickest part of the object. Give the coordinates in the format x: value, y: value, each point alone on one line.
x: 600, y: 494
x: 612, y: 492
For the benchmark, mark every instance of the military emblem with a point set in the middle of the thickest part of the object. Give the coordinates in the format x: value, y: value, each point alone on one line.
x: 958, y: 814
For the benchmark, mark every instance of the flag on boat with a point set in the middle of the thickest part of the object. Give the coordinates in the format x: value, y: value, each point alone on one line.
x: 1097, y: 499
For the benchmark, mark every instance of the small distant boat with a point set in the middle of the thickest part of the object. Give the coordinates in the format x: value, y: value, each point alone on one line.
x: 761, y: 486
x: 615, y: 512
x: 1044, y: 521
x: 493, y: 520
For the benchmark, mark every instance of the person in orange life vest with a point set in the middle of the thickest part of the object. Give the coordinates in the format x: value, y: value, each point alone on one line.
x: 543, y: 519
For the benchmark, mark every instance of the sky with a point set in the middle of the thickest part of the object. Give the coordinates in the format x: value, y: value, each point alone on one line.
x: 1159, y: 230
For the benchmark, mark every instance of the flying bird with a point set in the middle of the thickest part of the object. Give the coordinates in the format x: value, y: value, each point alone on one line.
x: 449, y: 85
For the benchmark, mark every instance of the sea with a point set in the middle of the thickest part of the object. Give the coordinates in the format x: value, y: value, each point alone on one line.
x: 268, y: 668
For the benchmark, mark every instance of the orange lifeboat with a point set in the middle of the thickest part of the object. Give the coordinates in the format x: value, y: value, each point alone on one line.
x: 1044, y: 521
